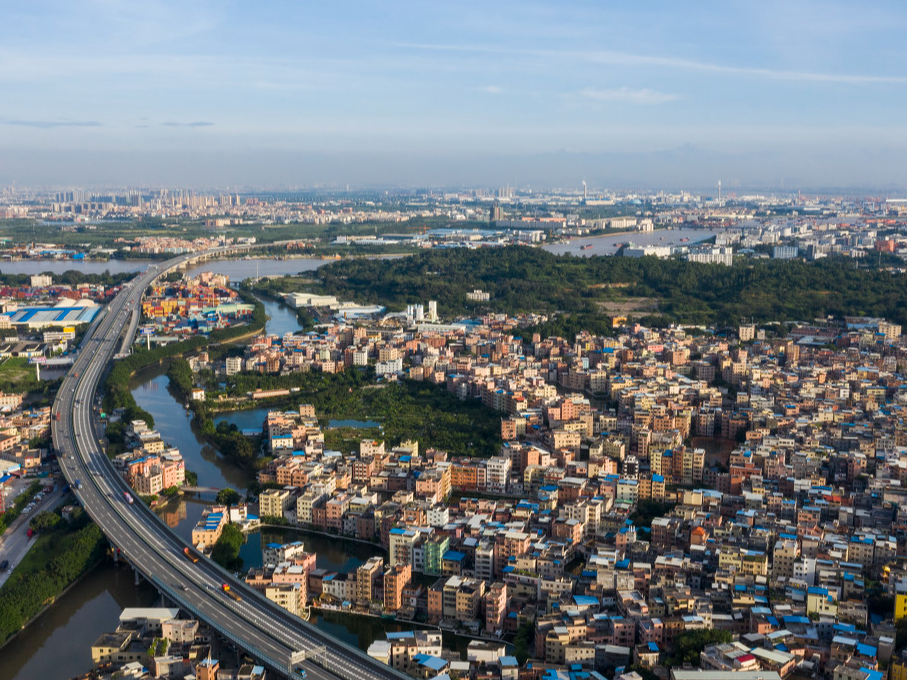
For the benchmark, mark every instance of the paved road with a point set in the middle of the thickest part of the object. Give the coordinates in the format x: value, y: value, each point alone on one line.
x: 253, y: 623
x: 14, y: 544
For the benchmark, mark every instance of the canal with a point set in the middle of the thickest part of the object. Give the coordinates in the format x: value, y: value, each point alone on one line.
x: 58, y: 644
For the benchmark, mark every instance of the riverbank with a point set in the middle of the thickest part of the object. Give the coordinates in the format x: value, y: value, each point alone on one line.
x: 315, y: 532
x: 116, y: 386
x: 57, y: 642
x: 54, y: 564
x: 405, y: 409
x: 304, y: 320
x: 155, y: 392
x: 47, y: 607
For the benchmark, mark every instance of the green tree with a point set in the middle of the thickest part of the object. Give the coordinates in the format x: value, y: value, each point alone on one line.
x: 46, y: 521
x: 23, y: 595
x: 228, y: 497
x: 171, y: 491
x: 522, y: 641
x: 689, y: 644
x: 226, y: 550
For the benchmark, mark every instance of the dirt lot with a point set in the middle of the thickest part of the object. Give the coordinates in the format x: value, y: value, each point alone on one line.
x: 628, y: 305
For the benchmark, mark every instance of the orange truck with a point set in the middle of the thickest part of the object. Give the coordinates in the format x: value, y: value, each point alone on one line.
x: 226, y: 588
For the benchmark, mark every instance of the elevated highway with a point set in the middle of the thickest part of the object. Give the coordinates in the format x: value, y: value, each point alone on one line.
x: 282, y: 641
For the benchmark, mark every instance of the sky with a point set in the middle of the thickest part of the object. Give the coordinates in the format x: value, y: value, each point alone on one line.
x: 521, y: 93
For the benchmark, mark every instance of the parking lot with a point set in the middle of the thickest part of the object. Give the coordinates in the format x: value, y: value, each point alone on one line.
x: 15, y: 487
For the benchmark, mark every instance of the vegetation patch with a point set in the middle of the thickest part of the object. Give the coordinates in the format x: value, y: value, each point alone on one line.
x: 689, y: 644
x: 57, y: 560
x: 17, y: 375
x: 407, y: 410
x: 521, y: 279
x: 117, y: 394
x: 226, y: 550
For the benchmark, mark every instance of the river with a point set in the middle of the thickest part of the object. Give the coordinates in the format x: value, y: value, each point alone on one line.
x: 151, y: 391
x: 60, y: 266
x: 235, y: 269
x: 254, y: 267
x: 57, y: 645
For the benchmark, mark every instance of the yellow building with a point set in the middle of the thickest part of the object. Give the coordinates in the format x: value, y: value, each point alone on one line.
x: 900, y: 601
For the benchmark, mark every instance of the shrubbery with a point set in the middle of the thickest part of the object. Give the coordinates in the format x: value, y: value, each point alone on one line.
x: 22, y: 598
x: 406, y: 410
x: 226, y: 550
x: 690, y: 643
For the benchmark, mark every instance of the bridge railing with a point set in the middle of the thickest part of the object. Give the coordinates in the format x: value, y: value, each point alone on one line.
x: 282, y: 666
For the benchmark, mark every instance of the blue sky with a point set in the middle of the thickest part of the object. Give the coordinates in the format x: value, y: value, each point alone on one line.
x: 422, y: 93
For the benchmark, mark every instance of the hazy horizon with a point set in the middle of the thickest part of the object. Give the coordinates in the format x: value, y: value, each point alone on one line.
x: 453, y: 94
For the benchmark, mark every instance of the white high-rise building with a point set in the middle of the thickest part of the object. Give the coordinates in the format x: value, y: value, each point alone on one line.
x: 415, y: 313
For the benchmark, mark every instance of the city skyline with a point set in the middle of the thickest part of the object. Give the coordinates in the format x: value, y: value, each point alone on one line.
x: 516, y: 93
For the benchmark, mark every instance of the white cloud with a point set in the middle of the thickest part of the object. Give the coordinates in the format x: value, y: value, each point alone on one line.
x: 626, y: 95
x: 492, y: 89
x: 612, y: 58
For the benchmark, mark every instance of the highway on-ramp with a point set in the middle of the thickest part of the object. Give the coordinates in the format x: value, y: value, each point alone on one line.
x: 255, y: 624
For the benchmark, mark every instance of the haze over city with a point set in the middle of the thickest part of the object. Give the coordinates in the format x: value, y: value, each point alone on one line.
x: 409, y: 93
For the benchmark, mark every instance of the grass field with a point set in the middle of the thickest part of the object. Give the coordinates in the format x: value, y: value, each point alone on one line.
x: 41, y: 552
x: 17, y: 375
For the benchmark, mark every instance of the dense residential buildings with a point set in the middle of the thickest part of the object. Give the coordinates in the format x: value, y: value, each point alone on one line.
x: 648, y: 485
x: 159, y: 642
x: 190, y: 306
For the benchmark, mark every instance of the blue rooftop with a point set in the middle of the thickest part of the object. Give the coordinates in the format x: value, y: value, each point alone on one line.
x: 433, y: 662
x: 585, y: 601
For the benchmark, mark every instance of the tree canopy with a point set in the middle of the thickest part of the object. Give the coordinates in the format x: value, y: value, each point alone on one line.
x: 521, y: 279
x: 690, y: 643
x: 228, y: 497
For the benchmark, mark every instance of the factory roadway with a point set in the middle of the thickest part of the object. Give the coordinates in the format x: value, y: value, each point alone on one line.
x: 269, y: 633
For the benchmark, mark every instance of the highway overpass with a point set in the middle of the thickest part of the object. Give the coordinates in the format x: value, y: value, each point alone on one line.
x: 255, y: 624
